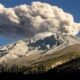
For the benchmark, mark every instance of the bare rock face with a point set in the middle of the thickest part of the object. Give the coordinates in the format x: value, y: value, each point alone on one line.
x: 42, y: 43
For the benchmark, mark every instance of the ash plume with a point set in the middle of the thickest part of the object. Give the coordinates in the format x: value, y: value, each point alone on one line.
x: 28, y: 20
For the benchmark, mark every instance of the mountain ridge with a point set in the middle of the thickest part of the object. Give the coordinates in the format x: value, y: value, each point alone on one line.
x: 37, y: 45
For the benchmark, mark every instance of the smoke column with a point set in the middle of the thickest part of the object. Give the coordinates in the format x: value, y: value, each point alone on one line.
x: 28, y: 20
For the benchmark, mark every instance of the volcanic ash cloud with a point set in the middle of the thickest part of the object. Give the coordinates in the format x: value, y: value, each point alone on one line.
x: 29, y: 20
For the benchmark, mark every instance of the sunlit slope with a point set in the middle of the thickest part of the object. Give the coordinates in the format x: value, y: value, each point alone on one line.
x: 46, y: 62
x: 72, y: 66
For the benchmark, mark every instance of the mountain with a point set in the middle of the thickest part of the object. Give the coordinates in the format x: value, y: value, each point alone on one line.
x: 47, y: 50
x: 42, y: 43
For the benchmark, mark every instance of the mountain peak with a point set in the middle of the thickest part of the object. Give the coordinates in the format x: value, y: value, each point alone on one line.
x: 40, y: 43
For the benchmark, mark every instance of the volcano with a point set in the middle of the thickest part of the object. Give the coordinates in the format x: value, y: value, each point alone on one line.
x: 51, y: 39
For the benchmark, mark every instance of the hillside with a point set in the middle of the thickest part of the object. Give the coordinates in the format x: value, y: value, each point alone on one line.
x: 44, y: 63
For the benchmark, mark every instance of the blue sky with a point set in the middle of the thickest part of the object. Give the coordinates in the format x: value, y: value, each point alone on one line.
x: 71, y: 6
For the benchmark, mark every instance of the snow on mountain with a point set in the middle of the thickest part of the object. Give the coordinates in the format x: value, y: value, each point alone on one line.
x: 46, y: 43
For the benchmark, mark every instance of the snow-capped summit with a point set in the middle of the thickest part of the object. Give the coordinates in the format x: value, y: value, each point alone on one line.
x: 45, y: 42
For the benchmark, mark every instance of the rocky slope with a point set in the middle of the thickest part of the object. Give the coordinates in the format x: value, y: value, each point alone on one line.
x: 39, y: 45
